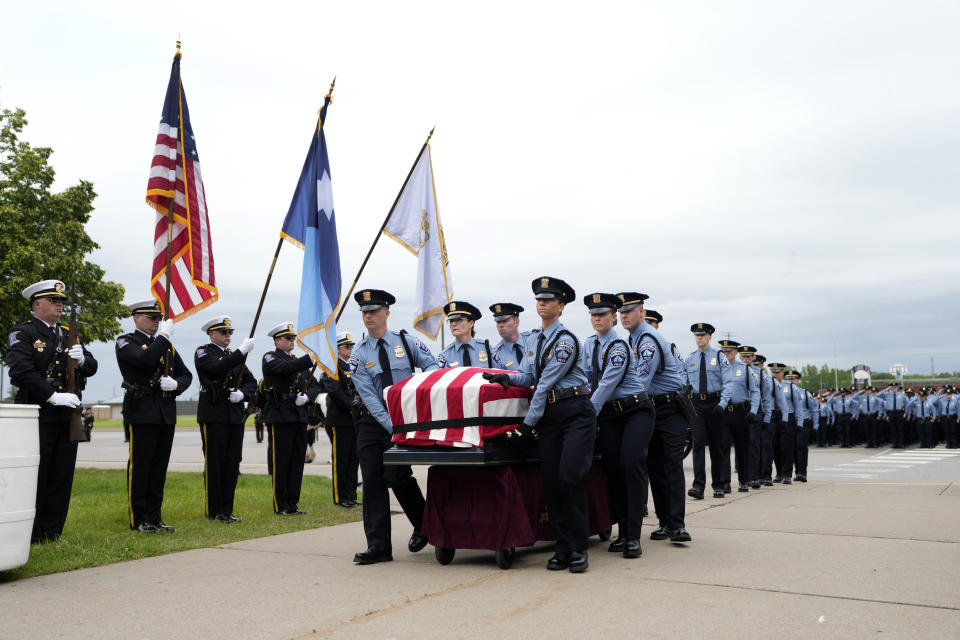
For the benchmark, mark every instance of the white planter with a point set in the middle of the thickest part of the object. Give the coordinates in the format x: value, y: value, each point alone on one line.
x: 19, y: 460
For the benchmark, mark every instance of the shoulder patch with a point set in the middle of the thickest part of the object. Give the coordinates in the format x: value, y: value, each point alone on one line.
x: 201, y: 352
x: 14, y: 335
x: 441, y: 361
x: 617, y: 356
x: 268, y: 357
x: 647, y: 350
x: 121, y: 343
x: 354, y: 363
x: 563, y: 350
x: 422, y: 346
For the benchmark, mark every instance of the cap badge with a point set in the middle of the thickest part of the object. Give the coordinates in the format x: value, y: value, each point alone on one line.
x: 290, y: 328
x: 496, y: 308
x: 622, y: 297
x: 453, y: 306
x: 226, y: 322
x: 348, y: 338
x: 59, y: 287
x: 544, y: 283
x: 596, y: 298
x: 699, y: 325
x: 366, y: 296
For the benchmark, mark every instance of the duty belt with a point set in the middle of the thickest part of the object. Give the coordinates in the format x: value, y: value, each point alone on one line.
x: 664, y: 398
x: 706, y: 396
x: 556, y: 395
x: 621, y: 405
x: 740, y: 405
x: 362, y: 411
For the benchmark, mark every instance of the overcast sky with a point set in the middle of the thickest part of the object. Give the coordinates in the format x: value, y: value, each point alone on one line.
x: 785, y: 171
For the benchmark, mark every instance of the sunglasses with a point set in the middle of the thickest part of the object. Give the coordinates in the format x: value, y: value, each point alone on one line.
x: 156, y: 317
x: 225, y: 332
x: 57, y: 300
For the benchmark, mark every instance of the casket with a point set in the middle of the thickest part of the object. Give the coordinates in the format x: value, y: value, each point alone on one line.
x: 454, y: 408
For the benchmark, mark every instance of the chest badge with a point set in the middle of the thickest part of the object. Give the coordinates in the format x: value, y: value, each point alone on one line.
x: 398, y: 351
x: 482, y: 357
x: 529, y: 353
x: 713, y: 362
x: 144, y: 347
x: 739, y: 373
x: 40, y: 345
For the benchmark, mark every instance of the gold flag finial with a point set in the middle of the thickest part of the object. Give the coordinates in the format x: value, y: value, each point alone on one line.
x: 177, y: 54
x: 330, y: 92
x: 430, y: 135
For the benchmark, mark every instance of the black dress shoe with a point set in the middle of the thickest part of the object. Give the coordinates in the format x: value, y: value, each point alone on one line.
x: 695, y: 492
x: 617, y: 545
x: 680, y: 535
x: 297, y: 511
x: 743, y: 488
x: 632, y: 549
x: 660, y: 533
x: 755, y: 484
x: 163, y: 526
x: 578, y: 562
x: 348, y: 504
x: 146, y: 527
x: 726, y: 488
x: 787, y: 481
x: 718, y: 493
x: 558, y: 562
x: 801, y: 477
x: 767, y: 483
x: 417, y: 542
x: 374, y: 554
x: 778, y: 479
x: 224, y: 518
x: 233, y: 519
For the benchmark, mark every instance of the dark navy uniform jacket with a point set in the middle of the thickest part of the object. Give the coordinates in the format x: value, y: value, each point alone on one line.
x: 218, y: 371
x: 141, y: 364
x: 284, y: 376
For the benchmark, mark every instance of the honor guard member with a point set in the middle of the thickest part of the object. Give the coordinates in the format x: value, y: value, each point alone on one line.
x: 705, y: 373
x: 287, y: 387
x: 747, y: 356
x: 149, y: 410
x: 514, y: 344
x: 343, y: 408
x: 782, y: 414
x: 653, y: 318
x: 565, y: 420
x: 464, y: 350
x: 38, y: 352
x: 382, y: 358
x: 764, y: 458
x: 806, y: 423
x: 624, y: 419
x: 225, y: 385
x: 661, y: 372
x: 738, y: 406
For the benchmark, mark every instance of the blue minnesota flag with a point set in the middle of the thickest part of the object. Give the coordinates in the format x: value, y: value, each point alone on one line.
x: 311, y: 225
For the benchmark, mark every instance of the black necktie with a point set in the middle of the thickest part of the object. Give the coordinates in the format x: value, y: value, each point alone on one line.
x: 466, y: 355
x: 792, y: 400
x: 703, y: 373
x: 518, y: 351
x: 386, y: 378
x: 894, y: 400
x: 540, y: 340
x: 595, y: 367
x: 149, y: 339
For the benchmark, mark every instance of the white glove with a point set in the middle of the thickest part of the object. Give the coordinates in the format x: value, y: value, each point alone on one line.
x: 165, y: 328
x: 167, y: 383
x: 236, y: 396
x: 246, y: 346
x: 301, y: 399
x: 76, y: 352
x: 64, y: 400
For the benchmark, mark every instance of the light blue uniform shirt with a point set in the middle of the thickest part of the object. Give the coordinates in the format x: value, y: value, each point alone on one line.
x: 769, y: 398
x: 870, y: 404
x: 953, y: 408
x: 843, y: 404
x: 647, y: 344
x: 452, y: 356
x: 619, y: 378
x: 715, y: 362
x: 505, y: 355
x: 801, y: 412
x: 809, y: 406
x: 918, y: 408
x: 561, y: 371
x: 785, y: 398
x: 890, y: 397
x: 826, y: 413
x: 740, y: 384
x: 365, y: 369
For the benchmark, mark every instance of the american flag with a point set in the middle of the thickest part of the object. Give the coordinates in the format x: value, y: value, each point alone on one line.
x: 175, y: 174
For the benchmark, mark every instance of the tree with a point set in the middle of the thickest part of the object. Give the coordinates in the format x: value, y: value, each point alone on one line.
x: 42, y: 236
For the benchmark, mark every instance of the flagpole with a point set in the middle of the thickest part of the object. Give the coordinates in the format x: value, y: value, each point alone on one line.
x: 166, y: 293
x: 385, y: 221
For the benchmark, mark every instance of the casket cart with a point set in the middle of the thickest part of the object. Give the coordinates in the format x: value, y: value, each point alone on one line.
x: 484, y: 485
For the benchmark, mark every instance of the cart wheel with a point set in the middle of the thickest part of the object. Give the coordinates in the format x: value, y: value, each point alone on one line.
x: 605, y: 535
x: 505, y: 558
x: 444, y: 555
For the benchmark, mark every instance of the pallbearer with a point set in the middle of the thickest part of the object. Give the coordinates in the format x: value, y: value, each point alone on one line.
x: 225, y: 385
x: 465, y: 350
x: 624, y: 418
x: 515, y: 345
x: 287, y: 386
x: 379, y: 360
x: 38, y: 355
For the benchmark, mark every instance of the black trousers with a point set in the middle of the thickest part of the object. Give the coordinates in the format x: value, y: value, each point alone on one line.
x: 568, y: 431
x: 665, y: 466
x: 343, y: 440
x: 953, y: 432
x: 222, y: 451
x: 58, y: 458
x: 735, y: 422
x: 788, y: 438
x: 872, y: 429
x: 372, y: 441
x: 707, y: 430
x: 150, y: 446
x: 755, y: 438
x: 624, y: 440
x: 288, y: 446
x: 766, y: 450
x: 802, y: 447
x: 925, y: 429
x: 896, y: 428
x: 777, y: 437
x: 845, y: 429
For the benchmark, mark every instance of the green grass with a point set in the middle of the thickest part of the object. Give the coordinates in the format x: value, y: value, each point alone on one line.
x: 97, y: 531
x: 182, y: 421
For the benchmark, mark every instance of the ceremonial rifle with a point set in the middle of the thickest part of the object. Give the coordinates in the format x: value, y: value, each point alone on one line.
x: 77, y: 432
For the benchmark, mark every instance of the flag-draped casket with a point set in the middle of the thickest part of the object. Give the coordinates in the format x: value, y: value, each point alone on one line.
x: 454, y: 407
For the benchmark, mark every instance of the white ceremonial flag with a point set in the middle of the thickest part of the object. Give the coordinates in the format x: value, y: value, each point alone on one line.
x: 415, y: 224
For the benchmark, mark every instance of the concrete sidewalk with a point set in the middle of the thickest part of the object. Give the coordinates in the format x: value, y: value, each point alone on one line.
x: 821, y: 560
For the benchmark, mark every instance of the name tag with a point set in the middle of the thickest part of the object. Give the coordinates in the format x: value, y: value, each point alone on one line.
x: 368, y: 365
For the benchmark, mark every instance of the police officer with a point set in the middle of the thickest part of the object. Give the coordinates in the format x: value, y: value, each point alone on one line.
x: 561, y: 412
x: 38, y: 354
x: 343, y: 406
x: 153, y: 376
x: 653, y: 318
x: 287, y: 387
x: 624, y: 419
x: 870, y: 413
x: 923, y: 412
x: 514, y: 344
x: 842, y: 408
x: 382, y: 358
x: 750, y: 463
x: 464, y: 350
x: 795, y: 416
x: 780, y: 418
x: 704, y: 369
x: 807, y: 423
x: 763, y: 461
x: 738, y: 406
x: 661, y: 372
x: 825, y: 417
x: 225, y: 385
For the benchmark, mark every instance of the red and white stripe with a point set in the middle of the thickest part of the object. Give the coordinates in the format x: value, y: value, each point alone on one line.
x: 447, y: 394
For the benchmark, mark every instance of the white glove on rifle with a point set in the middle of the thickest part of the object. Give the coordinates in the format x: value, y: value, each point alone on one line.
x: 167, y: 383
x: 236, y: 396
x: 64, y: 400
x: 165, y: 328
x: 246, y: 346
x: 76, y: 352
x: 301, y: 399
